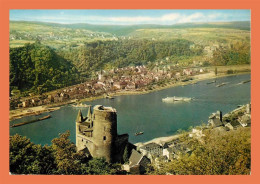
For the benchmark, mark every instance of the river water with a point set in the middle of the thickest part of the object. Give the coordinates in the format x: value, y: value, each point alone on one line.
x: 147, y: 112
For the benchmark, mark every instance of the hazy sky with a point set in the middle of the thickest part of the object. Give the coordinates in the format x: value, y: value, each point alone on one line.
x: 129, y: 17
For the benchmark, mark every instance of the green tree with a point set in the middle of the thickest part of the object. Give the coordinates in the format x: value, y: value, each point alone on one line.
x: 219, y: 153
x: 59, y: 158
x: 28, y: 158
x: 126, y: 154
x: 67, y: 159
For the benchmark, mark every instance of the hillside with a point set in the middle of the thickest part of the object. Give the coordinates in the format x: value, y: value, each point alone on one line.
x: 79, y: 50
x: 67, y: 35
x: 52, y: 35
x: 38, y: 68
x: 124, y: 30
x: 202, y: 36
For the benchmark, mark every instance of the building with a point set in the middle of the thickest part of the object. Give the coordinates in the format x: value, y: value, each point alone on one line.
x: 97, y: 136
x: 137, y: 163
x: 152, y: 149
x: 245, y: 120
x: 215, y: 120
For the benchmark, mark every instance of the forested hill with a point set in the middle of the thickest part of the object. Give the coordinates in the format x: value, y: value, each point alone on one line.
x: 39, y: 68
x: 36, y: 67
x: 107, y: 55
x: 113, y: 54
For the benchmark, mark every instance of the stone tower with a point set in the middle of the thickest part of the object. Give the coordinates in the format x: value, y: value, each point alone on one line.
x: 219, y: 115
x: 97, y: 134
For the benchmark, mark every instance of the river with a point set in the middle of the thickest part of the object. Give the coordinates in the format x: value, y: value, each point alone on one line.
x: 147, y: 112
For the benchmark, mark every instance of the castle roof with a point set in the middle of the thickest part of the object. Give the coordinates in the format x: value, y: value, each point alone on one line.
x: 79, y: 117
x: 89, y: 113
x: 103, y: 108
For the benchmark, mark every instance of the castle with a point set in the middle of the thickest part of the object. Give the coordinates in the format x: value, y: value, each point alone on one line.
x: 97, y: 136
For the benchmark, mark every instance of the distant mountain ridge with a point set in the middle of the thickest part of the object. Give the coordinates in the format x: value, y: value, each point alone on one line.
x: 124, y: 30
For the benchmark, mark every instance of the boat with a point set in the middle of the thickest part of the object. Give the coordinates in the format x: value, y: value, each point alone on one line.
x: 139, y: 133
x: 173, y: 99
x: 187, y: 79
x: 243, y: 82
x: 222, y: 84
x: 45, y: 117
x: 211, y: 82
x: 109, y: 97
x: 80, y: 105
x: 32, y: 121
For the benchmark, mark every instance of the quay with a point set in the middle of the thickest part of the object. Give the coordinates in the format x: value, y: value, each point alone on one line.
x: 31, y: 121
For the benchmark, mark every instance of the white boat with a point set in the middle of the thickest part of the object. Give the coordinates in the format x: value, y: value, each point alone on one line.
x: 80, y: 105
x: 139, y: 133
x: 173, y: 99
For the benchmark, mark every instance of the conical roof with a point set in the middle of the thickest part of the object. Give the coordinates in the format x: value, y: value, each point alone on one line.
x: 89, y: 113
x: 79, y: 117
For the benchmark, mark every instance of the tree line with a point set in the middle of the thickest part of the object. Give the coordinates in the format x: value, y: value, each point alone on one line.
x: 60, y: 157
x: 233, y: 54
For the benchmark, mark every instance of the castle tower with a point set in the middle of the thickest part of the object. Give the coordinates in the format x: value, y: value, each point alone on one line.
x: 104, y: 131
x: 96, y: 134
x: 79, y: 120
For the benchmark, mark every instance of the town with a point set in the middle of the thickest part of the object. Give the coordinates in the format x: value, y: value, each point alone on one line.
x: 128, y: 79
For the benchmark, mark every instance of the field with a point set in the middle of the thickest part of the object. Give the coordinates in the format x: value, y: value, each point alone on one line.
x: 201, y: 36
x: 74, y: 35
x: 54, y: 36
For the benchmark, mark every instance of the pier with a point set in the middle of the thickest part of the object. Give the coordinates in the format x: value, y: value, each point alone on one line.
x: 32, y: 121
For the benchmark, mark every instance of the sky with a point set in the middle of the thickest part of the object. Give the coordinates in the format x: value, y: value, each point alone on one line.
x: 130, y: 17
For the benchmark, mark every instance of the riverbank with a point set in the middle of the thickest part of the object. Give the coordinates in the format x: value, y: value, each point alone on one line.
x: 197, y: 78
x: 239, y: 70
x: 167, y: 139
x: 159, y: 140
x: 18, y: 113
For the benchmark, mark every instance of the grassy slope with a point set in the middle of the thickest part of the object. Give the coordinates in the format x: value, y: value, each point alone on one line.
x: 60, y: 35
x: 122, y: 30
x: 55, y: 36
x: 202, y: 36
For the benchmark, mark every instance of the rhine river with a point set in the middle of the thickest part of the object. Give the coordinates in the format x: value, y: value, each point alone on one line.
x: 147, y: 112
